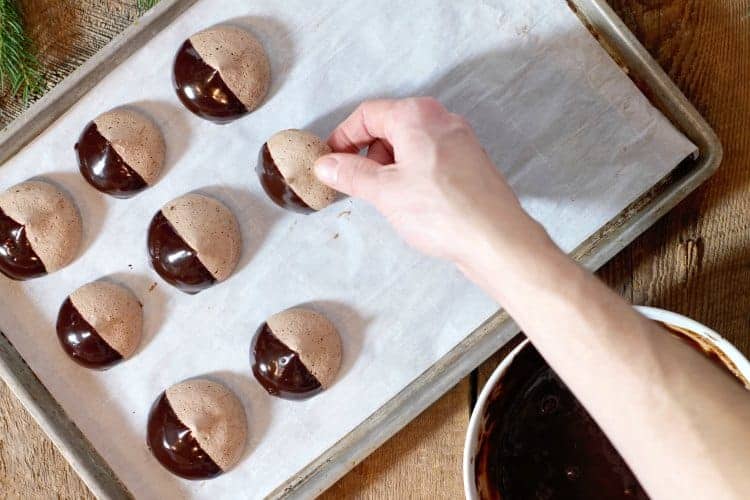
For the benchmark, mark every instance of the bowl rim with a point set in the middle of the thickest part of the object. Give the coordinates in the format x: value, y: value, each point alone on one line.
x: 670, y: 318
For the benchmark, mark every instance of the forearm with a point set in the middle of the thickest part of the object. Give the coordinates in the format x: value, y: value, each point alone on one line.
x: 678, y: 420
x: 674, y: 416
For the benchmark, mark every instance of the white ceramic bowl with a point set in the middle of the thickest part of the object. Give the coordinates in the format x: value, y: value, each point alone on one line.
x: 698, y: 332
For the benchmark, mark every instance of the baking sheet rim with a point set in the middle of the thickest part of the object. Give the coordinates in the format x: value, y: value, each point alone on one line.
x: 440, y: 377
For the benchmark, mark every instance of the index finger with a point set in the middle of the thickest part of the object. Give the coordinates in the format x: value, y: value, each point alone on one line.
x: 366, y: 124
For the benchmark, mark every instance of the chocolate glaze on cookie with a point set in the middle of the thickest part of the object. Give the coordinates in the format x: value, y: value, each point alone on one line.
x: 197, y: 429
x: 121, y: 152
x: 174, y: 259
x: 202, y: 90
x: 221, y: 73
x: 194, y: 242
x: 40, y: 230
x: 18, y: 260
x: 285, y: 168
x: 100, y: 324
x: 296, y: 353
x: 82, y: 342
x: 104, y: 168
x: 174, y: 446
x: 276, y: 186
x: 279, y: 369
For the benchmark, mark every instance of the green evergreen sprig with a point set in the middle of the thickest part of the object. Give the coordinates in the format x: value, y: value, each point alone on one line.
x: 20, y: 72
x: 144, y: 5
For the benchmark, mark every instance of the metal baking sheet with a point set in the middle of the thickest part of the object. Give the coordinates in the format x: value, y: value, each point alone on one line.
x: 478, y: 346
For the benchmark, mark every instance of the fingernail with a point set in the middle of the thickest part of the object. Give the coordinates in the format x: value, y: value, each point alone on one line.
x: 327, y: 169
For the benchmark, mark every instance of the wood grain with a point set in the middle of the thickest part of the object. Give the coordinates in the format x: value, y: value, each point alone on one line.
x: 66, y: 33
x: 30, y: 465
x: 695, y: 261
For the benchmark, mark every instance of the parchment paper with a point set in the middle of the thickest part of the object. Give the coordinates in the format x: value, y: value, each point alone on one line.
x: 569, y: 129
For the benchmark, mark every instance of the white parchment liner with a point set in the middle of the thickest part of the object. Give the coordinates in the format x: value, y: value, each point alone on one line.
x: 572, y: 133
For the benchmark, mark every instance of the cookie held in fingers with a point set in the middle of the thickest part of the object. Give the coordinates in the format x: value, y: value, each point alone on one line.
x: 40, y: 230
x: 197, y: 429
x: 296, y: 353
x: 100, y: 324
x: 194, y: 242
x: 222, y: 73
x: 285, y: 168
x: 121, y: 152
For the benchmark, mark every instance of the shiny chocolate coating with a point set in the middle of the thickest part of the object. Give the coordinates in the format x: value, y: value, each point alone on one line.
x: 103, y: 168
x: 201, y: 88
x: 279, y: 369
x: 173, y: 258
x: 174, y: 446
x: 82, y: 342
x: 18, y: 261
x: 275, y: 184
x: 540, y: 442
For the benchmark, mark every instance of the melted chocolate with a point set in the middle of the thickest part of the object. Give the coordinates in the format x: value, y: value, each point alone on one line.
x: 103, y: 168
x: 18, y: 260
x: 174, y: 446
x: 173, y: 258
x: 279, y: 369
x: 201, y: 88
x: 714, y: 355
x: 541, y: 443
x: 82, y: 342
x: 276, y: 186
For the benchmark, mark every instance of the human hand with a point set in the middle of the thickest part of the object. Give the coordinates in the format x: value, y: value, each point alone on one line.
x: 427, y: 173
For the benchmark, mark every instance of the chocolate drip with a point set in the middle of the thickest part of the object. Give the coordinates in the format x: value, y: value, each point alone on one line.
x: 174, y: 446
x: 276, y: 185
x: 201, y: 88
x: 279, y: 369
x: 540, y: 442
x: 174, y: 259
x: 103, y: 168
x: 18, y: 260
x: 82, y: 342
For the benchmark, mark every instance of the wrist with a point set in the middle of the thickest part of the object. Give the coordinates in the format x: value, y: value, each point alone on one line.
x: 511, y: 260
x: 502, y: 239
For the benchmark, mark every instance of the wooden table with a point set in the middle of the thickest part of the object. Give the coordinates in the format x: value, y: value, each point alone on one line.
x: 695, y: 261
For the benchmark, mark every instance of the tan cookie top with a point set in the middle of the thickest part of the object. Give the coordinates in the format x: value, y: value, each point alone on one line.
x: 137, y: 140
x: 295, y: 152
x: 210, y: 229
x: 240, y: 60
x: 313, y: 337
x: 214, y: 416
x: 53, y: 225
x: 114, y: 312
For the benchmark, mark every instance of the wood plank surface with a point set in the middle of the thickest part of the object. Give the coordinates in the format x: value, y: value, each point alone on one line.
x: 66, y: 33
x: 695, y: 261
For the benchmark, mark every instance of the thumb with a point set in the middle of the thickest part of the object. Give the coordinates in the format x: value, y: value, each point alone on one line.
x: 349, y: 173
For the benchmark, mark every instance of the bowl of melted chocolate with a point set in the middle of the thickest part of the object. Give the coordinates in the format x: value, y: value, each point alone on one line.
x: 530, y: 438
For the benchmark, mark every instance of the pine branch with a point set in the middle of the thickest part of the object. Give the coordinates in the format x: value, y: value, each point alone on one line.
x: 20, y: 72
x: 144, y: 5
